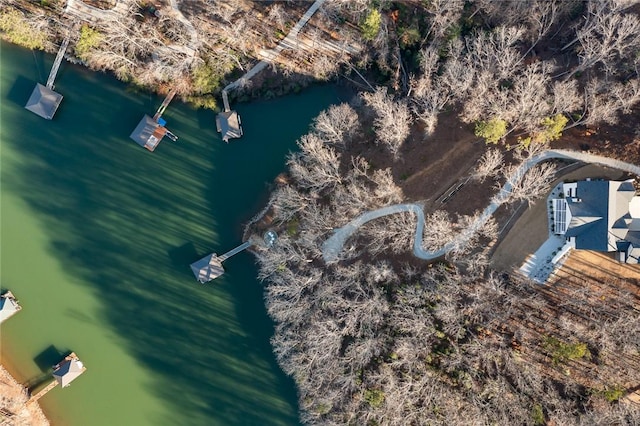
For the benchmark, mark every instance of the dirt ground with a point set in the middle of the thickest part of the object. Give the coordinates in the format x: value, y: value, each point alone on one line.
x: 428, y: 165
x: 13, y: 408
x: 621, y: 141
x: 530, y: 230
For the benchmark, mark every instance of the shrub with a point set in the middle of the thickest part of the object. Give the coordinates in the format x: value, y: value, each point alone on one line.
x: 551, y: 128
x: 492, y: 131
x: 207, y: 101
x: 613, y: 394
x: 374, y: 397
x: 17, y: 30
x: 89, y: 39
x: 409, y: 37
x: 371, y: 25
x: 205, y: 79
x: 561, y: 351
x: 537, y: 415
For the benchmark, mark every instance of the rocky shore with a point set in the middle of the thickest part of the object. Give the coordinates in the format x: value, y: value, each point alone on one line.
x: 14, y: 410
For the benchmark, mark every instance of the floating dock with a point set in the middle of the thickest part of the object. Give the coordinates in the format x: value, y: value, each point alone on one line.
x: 228, y: 122
x: 210, y: 267
x: 8, y: 306
x: 150, y: 131
x: 44, y: 101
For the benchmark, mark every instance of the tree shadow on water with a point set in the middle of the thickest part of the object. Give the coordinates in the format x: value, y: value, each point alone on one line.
x: 21, y: 90
x: 118, y: 218
x: 184, y: 255
x: 49, y: 357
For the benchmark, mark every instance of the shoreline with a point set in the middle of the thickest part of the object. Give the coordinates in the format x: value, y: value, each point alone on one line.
x: 15, y: 399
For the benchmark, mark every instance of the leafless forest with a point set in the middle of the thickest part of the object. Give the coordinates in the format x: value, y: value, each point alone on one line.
x: 377, y: 338
x: 381, y: 339
x: 524, y: 69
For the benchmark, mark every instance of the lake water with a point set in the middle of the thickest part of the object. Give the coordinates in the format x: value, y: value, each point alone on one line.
x: 96, y: 237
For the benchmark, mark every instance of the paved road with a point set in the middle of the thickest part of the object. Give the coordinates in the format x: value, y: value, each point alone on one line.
x: 332, y: 248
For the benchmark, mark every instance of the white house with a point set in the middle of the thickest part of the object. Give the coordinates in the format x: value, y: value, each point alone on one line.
x: 600, y: 215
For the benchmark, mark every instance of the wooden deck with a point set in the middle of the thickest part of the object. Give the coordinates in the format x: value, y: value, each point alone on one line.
x: 210, y: 267
x: 155, y: 138
x: 165, y: 104
x: 43, y: 392
x: 57, y: 62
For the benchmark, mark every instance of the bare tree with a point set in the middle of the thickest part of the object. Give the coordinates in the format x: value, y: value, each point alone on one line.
x: 316, y: 166
x: 606, y: 36
x: 438, y: 231
x: 530, y: 186
x: 288, y: 201
x: 443, y: 15
x: 604, y: 101
x: 392, y: 119
x: 489, y: 165
x: 337, y: 124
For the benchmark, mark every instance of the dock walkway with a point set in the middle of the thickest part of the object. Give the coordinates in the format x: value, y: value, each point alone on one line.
x: 57, y: 62
x: 235, y: 251
x: 268, y: 56
x: 43, y: 392
x: 165, y: 104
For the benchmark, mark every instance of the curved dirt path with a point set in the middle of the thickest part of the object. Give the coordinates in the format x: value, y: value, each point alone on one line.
x: 333, y: 246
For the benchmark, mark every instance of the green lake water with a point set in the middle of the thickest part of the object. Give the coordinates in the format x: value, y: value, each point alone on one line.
x: 96, y: 237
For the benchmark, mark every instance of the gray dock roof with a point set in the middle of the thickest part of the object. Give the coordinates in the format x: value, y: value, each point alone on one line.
x: 207, y: 268
x: 43, y: 101
x: 229, y: 125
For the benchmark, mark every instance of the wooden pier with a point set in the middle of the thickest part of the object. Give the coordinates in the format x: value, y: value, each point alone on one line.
x: 43, y: 392
x: 150, y: 131
x: 235, y: 251
x: 165, y: 104
x: 44, y: 101
x: 57, y: 62
x: 210, y: 267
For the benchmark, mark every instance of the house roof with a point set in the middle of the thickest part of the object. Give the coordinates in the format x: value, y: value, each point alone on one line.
x: 589, y: 215
x: 207, y: 268
x: 68, y: 371
x: 43, y: 101
x: 8, y: 307
x: 229, y: 125
x: 603, y: 215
